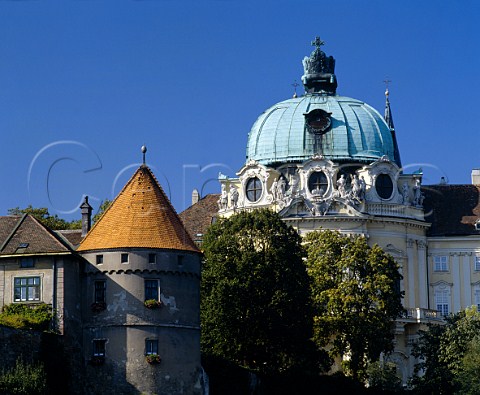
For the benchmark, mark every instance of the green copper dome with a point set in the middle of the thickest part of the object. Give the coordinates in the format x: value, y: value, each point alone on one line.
x: 320, y: 123
x: 357, y: 132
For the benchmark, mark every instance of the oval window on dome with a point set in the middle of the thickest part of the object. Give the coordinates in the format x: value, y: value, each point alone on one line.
x: 384, y: 186
x: 254, y: 189
x: 318, y: 183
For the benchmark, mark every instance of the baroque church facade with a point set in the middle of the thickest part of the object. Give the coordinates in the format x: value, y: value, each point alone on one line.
x: 325, y: 161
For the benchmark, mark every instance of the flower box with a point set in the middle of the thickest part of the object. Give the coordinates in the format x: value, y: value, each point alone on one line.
x: 153, y: 359
x: 152, y: 304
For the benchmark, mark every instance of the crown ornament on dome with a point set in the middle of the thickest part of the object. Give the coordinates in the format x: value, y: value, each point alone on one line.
x: 319, y: 71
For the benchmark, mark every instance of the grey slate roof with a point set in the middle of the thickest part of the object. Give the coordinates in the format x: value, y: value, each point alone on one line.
x: 198, y: 217
x: 452, y: 210
x: 26, y: 235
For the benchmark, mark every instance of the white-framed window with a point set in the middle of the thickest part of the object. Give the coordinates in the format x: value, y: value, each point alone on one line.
x: 477, y: 263
x: 26, y: 289
x: 442, y: 299
x: 440, y: 263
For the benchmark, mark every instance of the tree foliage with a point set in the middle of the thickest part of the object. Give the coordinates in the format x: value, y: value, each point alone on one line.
x: 23, y: 379
x: 355, y: 295
x: 52, y: 221
x: 103, y: 207
x: 255, y: 308
x: 446, y: 353
x: 24, y: 316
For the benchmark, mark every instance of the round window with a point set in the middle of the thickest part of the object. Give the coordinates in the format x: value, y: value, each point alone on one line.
x: 254, y: 189
x: 318, y: 183
x: 384, y: 186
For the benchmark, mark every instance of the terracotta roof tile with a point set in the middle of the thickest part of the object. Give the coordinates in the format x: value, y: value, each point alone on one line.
x: 198, y: 217
x: 452, y: 209
x: 141, y: 216
x: 29, y: 236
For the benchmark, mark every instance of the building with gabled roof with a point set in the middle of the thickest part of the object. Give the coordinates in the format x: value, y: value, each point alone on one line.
x: 39, y: 266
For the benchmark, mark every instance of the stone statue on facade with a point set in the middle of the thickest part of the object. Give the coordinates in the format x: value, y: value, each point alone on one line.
x: 281, y: 188
x: 223, y: 200
x: 274, y: 189
x: 233, y: 196
x: 417, y: 193
x: 341, y: 187
x: 406, y: 194
x: 356, y: 188
x: 294, y: 182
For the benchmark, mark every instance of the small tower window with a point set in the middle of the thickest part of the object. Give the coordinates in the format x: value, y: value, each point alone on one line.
x: 100, y: 291
x: 99, y: 259
x: 152, y: 258
x: 151, y: 346
x: 152, y: 289
x: 254, y: 189
x: 99, y: 347
x: 124, y: 258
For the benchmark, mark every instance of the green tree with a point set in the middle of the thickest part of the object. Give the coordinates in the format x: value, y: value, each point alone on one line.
x: 356, y: 298
x: 468, y: 378
x: 446, y: 353
x: 103, y: 207
x: 52, y: 221
x: 23, y: 379
x: 255, y: 309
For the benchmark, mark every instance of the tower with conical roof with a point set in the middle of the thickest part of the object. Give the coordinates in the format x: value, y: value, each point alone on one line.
x: 141, y: 329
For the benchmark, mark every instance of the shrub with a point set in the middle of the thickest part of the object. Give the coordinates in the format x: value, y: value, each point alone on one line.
x: 24, y: 379
x: 23, y: 316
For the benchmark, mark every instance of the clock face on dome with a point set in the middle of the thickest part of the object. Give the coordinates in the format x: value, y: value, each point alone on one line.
x: 318, y: 121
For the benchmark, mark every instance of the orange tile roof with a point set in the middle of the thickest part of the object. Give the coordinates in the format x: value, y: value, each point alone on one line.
x: 141, y: 216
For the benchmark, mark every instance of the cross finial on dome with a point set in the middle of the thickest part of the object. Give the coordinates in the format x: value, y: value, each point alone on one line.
x: 387, y: 81
x: 295, y: 84
x: 317, y: 42
x: 144, y: 151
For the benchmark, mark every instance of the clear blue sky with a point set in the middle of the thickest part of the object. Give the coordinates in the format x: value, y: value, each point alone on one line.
x: 84, y: 83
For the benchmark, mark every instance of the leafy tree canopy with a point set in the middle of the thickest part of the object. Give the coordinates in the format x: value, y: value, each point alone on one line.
x: 103, y: 207
x: 448, y: 355
x: 255, y: 308
x: 355, y: 296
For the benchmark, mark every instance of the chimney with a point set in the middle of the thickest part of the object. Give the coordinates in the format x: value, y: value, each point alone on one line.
x: 195, y: 196
x: 476, y: 176
x: 86, y: 217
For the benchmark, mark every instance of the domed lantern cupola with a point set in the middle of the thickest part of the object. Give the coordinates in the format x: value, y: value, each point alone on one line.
x: 319, y: 71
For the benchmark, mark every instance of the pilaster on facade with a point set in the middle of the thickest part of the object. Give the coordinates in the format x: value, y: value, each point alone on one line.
x: 422, y: 273
x: 411, y: 273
